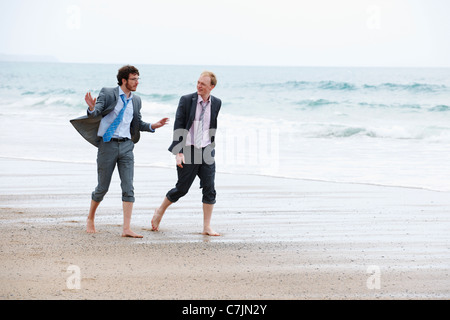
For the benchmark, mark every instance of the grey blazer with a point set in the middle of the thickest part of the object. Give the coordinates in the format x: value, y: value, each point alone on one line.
x: 88, y: 125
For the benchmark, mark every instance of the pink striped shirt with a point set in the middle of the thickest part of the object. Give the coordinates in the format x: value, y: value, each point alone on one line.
x: 206, y: 140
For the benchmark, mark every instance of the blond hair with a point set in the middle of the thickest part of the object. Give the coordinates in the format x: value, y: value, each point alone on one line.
x: 211, y: 75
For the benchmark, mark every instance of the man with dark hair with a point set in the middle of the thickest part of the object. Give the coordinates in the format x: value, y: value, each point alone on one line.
x: 113, y: 124
x: 124, y: 73
x: 193, y: 145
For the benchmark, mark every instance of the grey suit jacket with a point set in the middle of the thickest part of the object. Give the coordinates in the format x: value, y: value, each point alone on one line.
x: 185, y: 116
x: 88, y: 125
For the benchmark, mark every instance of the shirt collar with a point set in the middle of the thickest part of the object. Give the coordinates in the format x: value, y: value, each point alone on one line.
x: 200, y: 99
x: 123, y: 93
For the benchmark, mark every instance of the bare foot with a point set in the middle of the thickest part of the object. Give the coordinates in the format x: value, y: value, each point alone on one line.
x: 209, y: 232
x: 130, y: 234
x: 90, y: 228
x: 156, y: 220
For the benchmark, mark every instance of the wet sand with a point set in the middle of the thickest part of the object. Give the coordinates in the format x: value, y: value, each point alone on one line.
x: 281, y: 239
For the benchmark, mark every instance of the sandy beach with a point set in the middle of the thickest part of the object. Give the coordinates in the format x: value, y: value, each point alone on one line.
x: 281, y: 239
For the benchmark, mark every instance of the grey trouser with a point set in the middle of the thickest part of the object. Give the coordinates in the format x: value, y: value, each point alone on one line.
x: 109, y: 154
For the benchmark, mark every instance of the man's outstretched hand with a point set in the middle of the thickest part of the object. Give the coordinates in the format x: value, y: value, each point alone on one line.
x: 160, y: 123
x: 90, y: 101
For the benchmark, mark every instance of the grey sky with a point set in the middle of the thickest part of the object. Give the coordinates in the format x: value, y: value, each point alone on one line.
x: 231, y: 32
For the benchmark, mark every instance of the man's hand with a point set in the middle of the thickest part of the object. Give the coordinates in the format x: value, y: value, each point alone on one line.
x: 180, y: 160
x: 90, y: 101
x: 160, y: 123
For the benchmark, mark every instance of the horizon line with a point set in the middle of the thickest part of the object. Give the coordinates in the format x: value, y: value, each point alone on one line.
x: 58, y: 61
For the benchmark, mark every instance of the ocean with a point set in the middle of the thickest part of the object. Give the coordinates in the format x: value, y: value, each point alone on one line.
x: 382, y: 126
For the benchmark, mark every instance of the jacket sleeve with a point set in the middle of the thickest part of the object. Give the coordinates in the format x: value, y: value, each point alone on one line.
x: 179, y: 128
x: 143, y: 126
x: 100, y: 105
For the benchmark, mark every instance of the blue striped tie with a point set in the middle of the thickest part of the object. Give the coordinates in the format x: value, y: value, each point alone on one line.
x: 112, y: 128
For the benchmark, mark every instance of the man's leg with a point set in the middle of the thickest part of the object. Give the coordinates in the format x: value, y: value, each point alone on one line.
x: 207, y: 173
x: 106, y: 162
x: 207, y: 213
x: 125, y: 165
x: 127, y: 211
x: 186, y: 177
x: 90, y: 220
x: 159, y: 212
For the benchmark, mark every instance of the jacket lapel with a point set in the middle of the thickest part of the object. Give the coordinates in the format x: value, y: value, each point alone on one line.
x: 214, y: 112
x: 192, y: 110
x: 116, y: 94
x: 136, y: 105
x: 111, y: 104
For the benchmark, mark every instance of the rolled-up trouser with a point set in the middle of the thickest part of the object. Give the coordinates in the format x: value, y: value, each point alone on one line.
x: 109, y: 154
x: 205, y: 170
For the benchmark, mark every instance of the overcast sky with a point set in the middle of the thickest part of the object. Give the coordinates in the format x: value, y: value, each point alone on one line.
x: 231, y: 32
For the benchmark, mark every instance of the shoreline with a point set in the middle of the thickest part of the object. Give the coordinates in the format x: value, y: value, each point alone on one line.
x: 236, y: 174
x: 282, y: 239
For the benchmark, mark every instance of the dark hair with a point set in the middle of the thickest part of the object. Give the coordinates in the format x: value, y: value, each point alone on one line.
x: 125, y: 72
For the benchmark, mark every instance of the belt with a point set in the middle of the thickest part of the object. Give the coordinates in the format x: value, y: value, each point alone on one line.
x: 119, y: 139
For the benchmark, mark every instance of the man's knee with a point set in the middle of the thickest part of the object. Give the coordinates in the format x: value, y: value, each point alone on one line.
x: 99, y: 194
x: 175, y: 194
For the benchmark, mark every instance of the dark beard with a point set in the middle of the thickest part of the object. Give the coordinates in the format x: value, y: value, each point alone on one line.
x: 129, y: 87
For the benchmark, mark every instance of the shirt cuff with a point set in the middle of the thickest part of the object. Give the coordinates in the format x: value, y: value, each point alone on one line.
x: 151, y: 129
